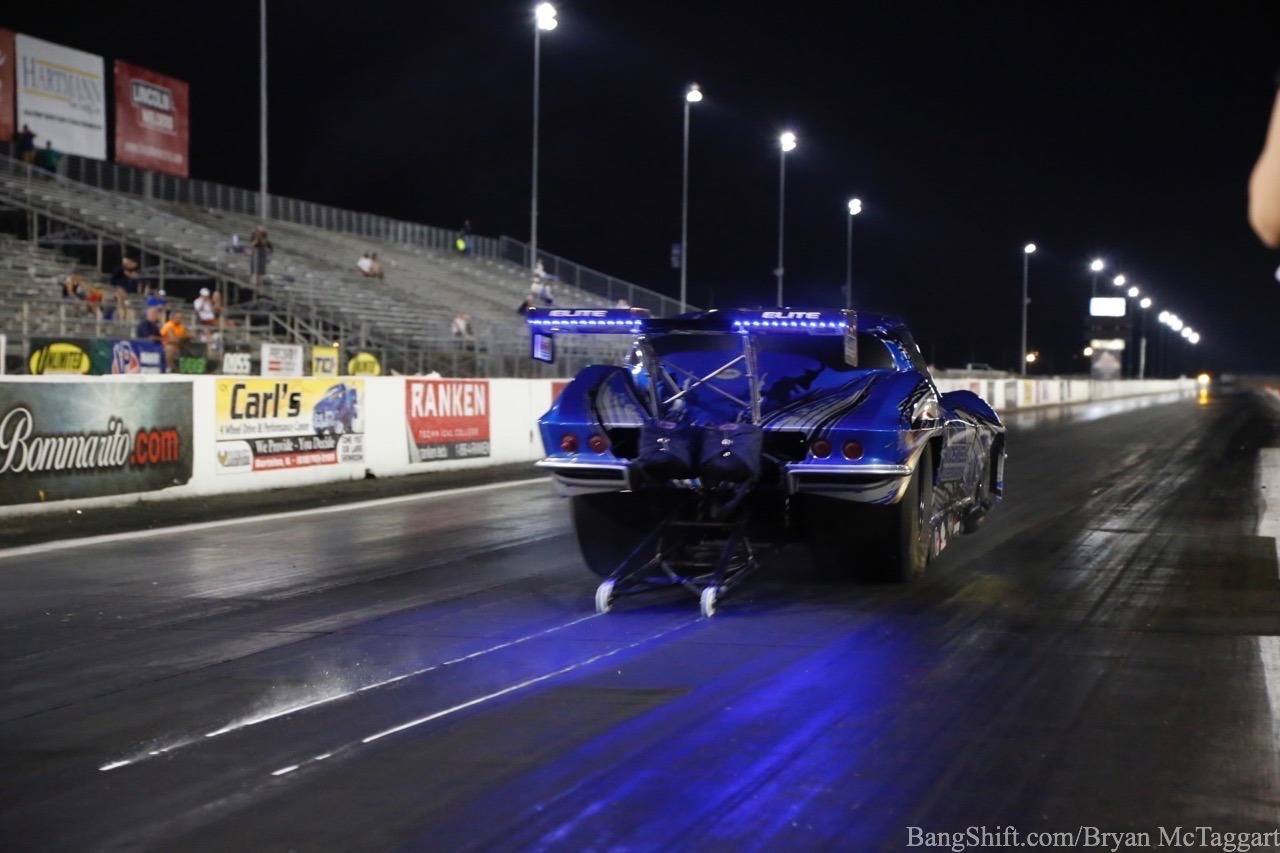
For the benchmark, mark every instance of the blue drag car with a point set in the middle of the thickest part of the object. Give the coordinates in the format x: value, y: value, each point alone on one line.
x: 725, y: 433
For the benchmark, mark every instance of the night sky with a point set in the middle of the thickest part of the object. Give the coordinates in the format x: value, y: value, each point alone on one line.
x: 1120, y: 130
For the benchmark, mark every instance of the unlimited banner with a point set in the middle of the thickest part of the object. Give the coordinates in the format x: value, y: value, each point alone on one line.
x: 152, y: 120
x: 87, y: 439
x: 447, y: 419
x: 62, y: 95
x: 281, y: 424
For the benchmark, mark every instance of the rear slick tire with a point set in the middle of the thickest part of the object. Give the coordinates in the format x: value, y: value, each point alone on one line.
x: 609, y: 526
x: 912, y: 524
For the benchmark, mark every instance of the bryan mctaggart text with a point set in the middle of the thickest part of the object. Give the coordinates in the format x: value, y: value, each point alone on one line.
x: 1092, y: 837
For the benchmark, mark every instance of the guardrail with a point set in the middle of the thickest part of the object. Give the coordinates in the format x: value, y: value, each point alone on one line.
x: 193, y: 191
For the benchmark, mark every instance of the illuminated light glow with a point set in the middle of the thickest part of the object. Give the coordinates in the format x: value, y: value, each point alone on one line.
x: 1146, y: 302
x: 694, y: 94
x: 113, y: 765
x: 1195, y: 337
x: 284, y: 770
x: 1186, y: 332
x: 788, y: 141
x: 1098, y: 265
x: 545, y: 15
x: 1118, y: 281
x: 855, y: 206
x: 1030, y: 248
x: 1203, y: 379
x: 1164, y: 317
x: 1031, y: 357
x: 1133, y: 292
x: 1088, y: 350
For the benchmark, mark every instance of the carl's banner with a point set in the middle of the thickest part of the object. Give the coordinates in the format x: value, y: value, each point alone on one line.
x: 447, y: 418
x: 281, y: 424
x: 87, y: 439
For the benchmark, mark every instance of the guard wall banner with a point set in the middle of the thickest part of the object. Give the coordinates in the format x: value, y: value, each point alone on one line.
x: 279, y: 424
x: 60, y: 355
x: 87, y: 439
x: 324, y: 361
x: 152, y: 120
x: 8, y: 61
x: 62, y: 95
x: 447, y: 418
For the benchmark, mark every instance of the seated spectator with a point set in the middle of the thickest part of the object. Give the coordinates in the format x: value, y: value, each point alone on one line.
x: 365, y: 265
x: 376, y: 270
x: 544, y: 293
x: 203, y: 306
x: 75, y: 288
x: 216, y: 299
x: 149, y: 326
x: 125, y: 277
x: 461, y: 327
x: 622, y: 303
x: 526, y: 305
x: 172, y: 334
x: 539, y: 271
x: 96, y: 300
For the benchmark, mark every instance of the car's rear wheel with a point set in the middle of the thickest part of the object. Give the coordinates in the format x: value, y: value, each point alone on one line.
x: 911, y: 527
x: 610, y: 526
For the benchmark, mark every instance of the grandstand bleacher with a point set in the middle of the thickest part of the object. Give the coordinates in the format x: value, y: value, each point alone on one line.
x: 313, y: 292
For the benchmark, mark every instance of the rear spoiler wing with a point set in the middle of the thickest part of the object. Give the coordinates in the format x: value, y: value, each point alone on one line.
x: 546, y: 323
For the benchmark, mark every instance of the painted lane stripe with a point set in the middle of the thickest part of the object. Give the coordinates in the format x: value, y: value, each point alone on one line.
x: 302, y: 706
x: 529, y: 682
x: 86, y: 541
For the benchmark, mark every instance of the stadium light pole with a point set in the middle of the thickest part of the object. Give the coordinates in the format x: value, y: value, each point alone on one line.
x: 262, y: 122
x: 691, y: 96
x: 855, y: 207
x: 544, y: 18
x: 1097, y: 266
x: 1027, y: 251
x: 786, y: 142
x: 1142, y: 339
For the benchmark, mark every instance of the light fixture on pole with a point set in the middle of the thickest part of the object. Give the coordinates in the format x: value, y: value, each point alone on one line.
x: 1144, y: 304
x: 1118, y: 281
x: 855, y: 207
x: 787, y: 142
x: 1027, y: 251
x: 691, y: 96
x: 544, y: 18
x: 1097, y: 266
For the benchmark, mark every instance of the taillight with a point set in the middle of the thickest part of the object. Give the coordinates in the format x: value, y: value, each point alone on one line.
x: 820, y: 448
x: 598, y: 443
x: 569, y: 443
x: 852, y: 450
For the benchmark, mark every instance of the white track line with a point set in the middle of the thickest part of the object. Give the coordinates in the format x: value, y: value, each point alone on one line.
x: 60, y: 544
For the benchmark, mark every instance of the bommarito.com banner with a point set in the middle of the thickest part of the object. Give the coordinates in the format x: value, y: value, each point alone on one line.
x: 88, y: 439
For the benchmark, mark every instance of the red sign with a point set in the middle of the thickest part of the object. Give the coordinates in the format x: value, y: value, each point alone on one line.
x: 152, y: 120
x: 448, y: 418
x: 7, y: 104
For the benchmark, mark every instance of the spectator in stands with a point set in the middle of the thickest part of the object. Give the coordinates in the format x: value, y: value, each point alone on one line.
x: 125, y: 277
x: 461, y: 327
x: 529, y: 302
x: 539, y: 271
x: 149, y: 326
x: 172, y: 334
x: 26, y: 145
x: 377, y: 265
x: 260, y: 251
x: 365, y: 265
x: 463, y: 241
x: 622, y: 303
x: 48, y: 157
x: 544, y: 293
x: 203, y: 307
x: 216, y: 300
x: 75, y: 289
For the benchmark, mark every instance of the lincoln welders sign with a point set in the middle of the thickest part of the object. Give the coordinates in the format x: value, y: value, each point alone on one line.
x: 447, y: 418
x: 85, y: 439
x: 282, y: 424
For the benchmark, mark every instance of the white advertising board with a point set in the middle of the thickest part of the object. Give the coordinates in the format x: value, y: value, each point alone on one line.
x: 281, y: 360
x: 62, y: 96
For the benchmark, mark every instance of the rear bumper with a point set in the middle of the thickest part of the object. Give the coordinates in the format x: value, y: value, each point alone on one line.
x: 877, y: 484
x: 580, y: 478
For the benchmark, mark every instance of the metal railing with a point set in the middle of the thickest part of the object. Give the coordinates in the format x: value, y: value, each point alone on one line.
x: 169, y: 188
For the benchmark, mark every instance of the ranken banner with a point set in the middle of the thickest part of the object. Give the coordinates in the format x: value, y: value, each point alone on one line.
x: 62, y: 95
x: 272, y: 424
x: 85, y: 439
x: 447, y: 418
x: 152, y: 120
